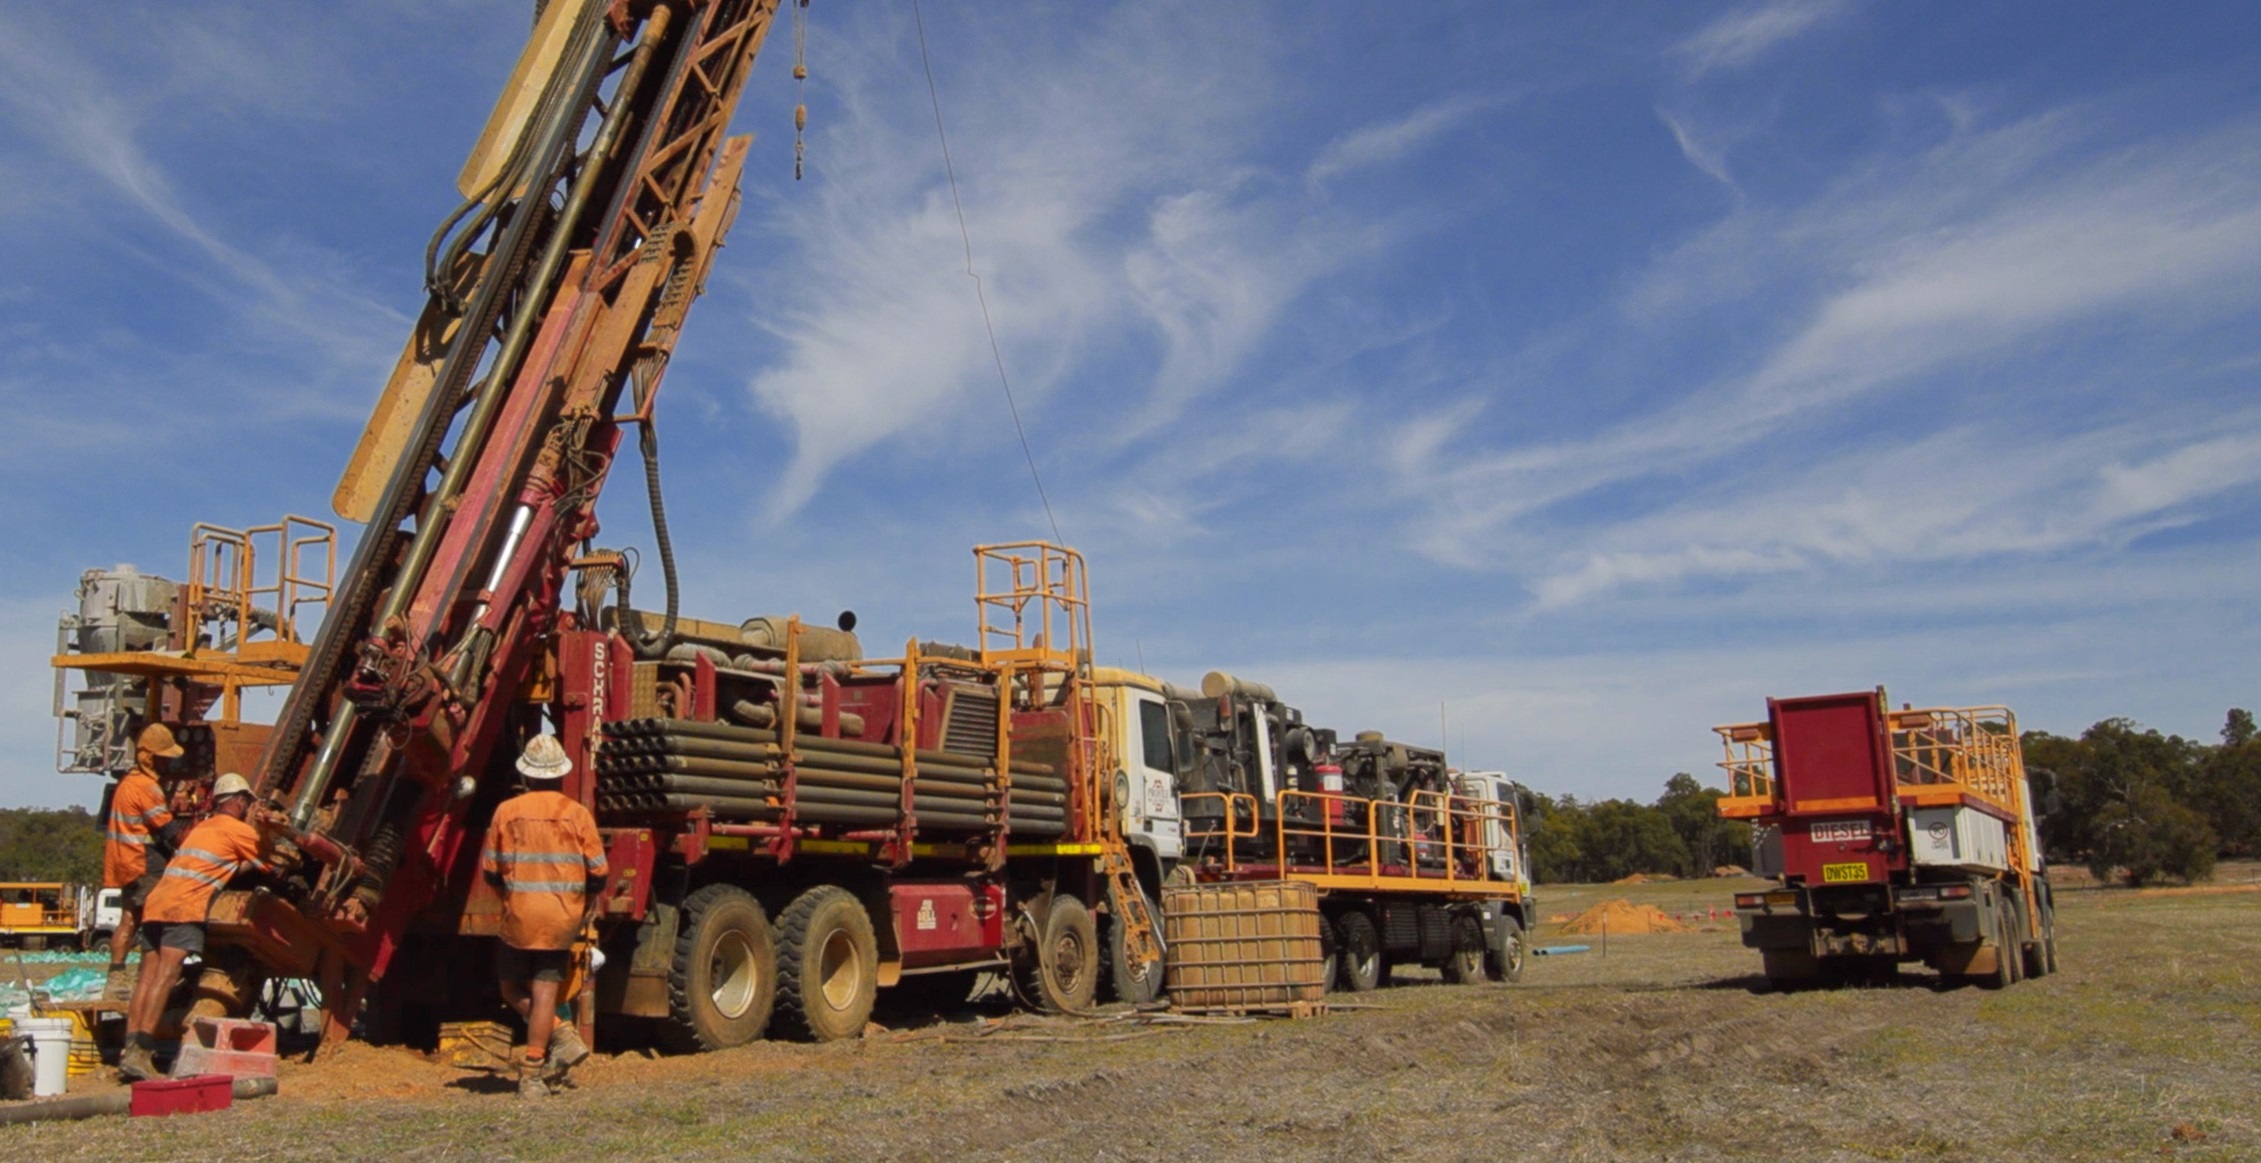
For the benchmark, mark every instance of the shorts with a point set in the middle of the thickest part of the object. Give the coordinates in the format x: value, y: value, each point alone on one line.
x: 135, y: 894
x: 186, y: 936
x: 512, y: 964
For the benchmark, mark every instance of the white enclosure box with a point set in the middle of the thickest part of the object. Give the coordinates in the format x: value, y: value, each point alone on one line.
x: 1958, y: 838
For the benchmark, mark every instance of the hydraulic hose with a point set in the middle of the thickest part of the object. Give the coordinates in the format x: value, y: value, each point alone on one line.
x: 648, y: 645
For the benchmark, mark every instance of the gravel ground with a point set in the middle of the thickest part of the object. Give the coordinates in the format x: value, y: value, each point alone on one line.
x: 2148, y: 1042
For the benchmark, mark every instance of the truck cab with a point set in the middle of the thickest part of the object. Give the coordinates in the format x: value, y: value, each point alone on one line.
x: 1504, y: 852
x: 1142, y: 740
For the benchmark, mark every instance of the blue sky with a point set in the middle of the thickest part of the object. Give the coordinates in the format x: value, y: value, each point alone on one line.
x: 1594, y: 370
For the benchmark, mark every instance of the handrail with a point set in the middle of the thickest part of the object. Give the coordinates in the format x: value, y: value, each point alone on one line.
x: 1228, y: 800
x: 1454, y: 826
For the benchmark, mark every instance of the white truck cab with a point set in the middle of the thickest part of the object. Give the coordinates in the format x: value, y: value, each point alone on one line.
x: 1146, y: 744
x: 1503, y: 846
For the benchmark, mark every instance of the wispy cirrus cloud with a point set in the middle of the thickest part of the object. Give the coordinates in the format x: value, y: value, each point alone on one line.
x: 1090, y: 235
x: 1391, y: 140
x: 1750, y: 31
x: 73, y: 114
x: 1909, y: 269
x: 1962, y: 495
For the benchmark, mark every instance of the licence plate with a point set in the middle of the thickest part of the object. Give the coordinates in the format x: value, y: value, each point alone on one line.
x: 1844, y: 873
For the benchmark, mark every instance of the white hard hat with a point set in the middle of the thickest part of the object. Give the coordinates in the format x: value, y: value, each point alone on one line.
x: 544, y: 758
x: 230, y: 784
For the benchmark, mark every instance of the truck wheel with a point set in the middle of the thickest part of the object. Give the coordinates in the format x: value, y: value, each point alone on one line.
x: 2039, y: 961
x: 1330, y: 957
x: 1466, y: 965
x: 827, y: 966
x: 2015, y: 918
x: 1063, y: 975
x: 2005, y: 953
x: 722, y: 980
x: 1506, y: 962
x: 1135, y: 984
x: 1358, y: 948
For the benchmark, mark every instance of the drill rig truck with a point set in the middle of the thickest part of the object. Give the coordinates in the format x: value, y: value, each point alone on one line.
x: 790, y: 826
x: 1894, y: 836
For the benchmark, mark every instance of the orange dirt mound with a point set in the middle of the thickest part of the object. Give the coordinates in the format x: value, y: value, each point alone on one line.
x: 1641, y: 878
x: 1623, y: 916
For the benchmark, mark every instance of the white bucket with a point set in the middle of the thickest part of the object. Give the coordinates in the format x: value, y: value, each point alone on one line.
x: 50, y: 1052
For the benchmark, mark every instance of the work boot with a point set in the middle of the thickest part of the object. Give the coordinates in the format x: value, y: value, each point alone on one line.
x: 137, y: 1064
x: 566, y: 1047
x: 118, y: 985
x: 534, y: 1076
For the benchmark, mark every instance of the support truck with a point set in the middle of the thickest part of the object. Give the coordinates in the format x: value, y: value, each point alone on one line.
x: 1893, y: 836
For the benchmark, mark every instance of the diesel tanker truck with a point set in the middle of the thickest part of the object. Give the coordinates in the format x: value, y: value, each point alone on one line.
x: 1892, y: 836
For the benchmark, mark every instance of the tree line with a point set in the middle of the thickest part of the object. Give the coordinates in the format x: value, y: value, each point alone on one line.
x: 2122, y: 799
x: 2133, y: 803
x: 58, y: 844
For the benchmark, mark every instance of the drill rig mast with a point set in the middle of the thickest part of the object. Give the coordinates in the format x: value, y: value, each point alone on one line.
x: 594, y: 204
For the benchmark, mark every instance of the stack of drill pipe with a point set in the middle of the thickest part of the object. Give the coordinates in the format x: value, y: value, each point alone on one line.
x: 672, y: 765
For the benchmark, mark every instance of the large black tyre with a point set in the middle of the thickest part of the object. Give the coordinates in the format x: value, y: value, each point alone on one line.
x: 2013, y: 916
x: 1358, y: 950
x: 827, y: 966
x: 1466, y: 964
x: 1062, y: 976
x: 1506, y: 962
x: 1135, y: 984
x: 1330, y: 957
x: 2039, y: 961
x: 2005, y: 952
x: 722, y: 981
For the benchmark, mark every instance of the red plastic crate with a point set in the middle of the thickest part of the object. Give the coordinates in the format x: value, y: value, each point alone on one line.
x: 182, y: 1096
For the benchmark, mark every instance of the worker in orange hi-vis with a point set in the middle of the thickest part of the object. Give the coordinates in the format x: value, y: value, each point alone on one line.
x: 139, y: 821
x: 543, y: 856
x: 172, y: 927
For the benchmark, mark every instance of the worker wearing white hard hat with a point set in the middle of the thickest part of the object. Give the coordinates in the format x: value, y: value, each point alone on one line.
x: 543, y: 856
x: 214, y: 851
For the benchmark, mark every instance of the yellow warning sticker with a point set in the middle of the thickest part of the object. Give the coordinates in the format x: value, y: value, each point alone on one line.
x: 1844, y: 873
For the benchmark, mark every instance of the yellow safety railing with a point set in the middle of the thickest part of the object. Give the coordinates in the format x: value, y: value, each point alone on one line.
x: 258, y: 584
x: 1340, y: 841
x: 1234, y: 805
x: 1953, y: 751
x: 1750, y: 769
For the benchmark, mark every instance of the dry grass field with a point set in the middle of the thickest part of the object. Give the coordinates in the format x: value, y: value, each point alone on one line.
x: 2146, y: 1044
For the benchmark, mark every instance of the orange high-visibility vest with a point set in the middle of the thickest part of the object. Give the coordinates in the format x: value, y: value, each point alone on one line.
x: 543, y: 847
x: 213, y: 851
x: 137, y: 809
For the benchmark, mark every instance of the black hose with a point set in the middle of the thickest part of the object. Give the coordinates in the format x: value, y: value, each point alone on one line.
x: 649, y: 646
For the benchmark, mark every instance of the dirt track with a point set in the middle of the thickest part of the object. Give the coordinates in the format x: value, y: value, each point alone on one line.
x: 1665, y: 1049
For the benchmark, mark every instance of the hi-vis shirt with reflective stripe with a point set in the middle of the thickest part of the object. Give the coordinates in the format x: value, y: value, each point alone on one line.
x: 213, y: 851
x: 137, y: 808
x: 543, y: 848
